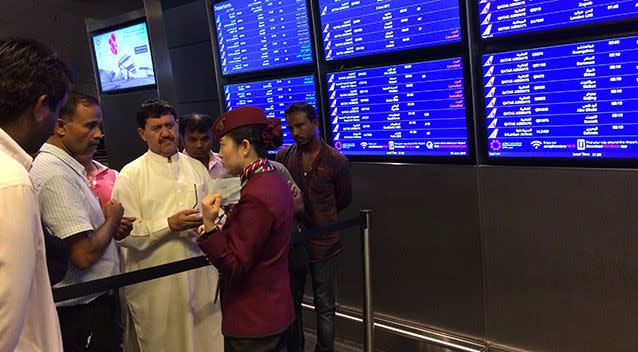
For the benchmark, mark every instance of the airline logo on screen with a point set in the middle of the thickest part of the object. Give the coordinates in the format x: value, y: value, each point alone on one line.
x: 113, y: 44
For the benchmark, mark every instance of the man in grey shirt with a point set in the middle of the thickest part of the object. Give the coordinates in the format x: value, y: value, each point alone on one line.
x: 72, y: 212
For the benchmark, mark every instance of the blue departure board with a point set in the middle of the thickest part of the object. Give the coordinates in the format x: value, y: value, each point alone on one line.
x: 505, y: 17
x: 402, y: 110
x: 568, y: 101
x: 364, y: 27
x: 274, y: 96
x: 254, y: 35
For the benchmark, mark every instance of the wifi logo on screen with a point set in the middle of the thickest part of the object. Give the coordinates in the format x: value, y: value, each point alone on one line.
x: 113, y: 44
x: 536, y: 144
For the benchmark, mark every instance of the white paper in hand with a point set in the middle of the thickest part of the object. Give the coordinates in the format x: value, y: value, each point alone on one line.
x: 229, y: 188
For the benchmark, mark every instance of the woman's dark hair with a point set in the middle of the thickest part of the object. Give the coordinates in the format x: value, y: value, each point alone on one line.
x: 262, y: 137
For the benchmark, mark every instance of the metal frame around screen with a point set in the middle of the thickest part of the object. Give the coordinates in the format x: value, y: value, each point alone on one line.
x: 114, y: 27
x: 429, y: 53
x: 534, y: 40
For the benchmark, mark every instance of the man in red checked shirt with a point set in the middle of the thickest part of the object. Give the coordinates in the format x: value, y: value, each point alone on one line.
x: 324, y: 178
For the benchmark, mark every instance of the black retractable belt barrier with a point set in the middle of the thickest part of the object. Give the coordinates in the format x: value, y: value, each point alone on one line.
x: 309, y: 234
x: 134, y: 277
x: 126, y: 279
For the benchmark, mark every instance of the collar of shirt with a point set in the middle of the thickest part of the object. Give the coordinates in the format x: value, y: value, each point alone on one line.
x: 171, y: 163
x: 213, y: 158
x: 100, y: 168
x: 99, y: 165
x: 162, y: 159
x: 13, y: 149
x: 298, y: 152
x: 258, y: 166
x: 65, y: 157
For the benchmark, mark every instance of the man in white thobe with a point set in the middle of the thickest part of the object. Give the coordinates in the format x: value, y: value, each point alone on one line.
x: 161, y: 189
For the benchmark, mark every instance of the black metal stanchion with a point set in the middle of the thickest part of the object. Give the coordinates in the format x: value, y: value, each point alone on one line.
x: 368, y: 314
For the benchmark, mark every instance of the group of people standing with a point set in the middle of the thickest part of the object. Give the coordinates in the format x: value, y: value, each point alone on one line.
x: 162, y: 207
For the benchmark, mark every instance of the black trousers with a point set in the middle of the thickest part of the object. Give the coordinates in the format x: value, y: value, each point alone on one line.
x: 324, y: 279
x: 298, y: 268
x: 92, y: 327
x: 275, y: 343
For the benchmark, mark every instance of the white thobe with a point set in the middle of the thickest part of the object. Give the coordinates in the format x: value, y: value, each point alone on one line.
x: 177, y: 312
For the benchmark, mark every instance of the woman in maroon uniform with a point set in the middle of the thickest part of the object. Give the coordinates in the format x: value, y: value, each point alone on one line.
x: 251, y: 250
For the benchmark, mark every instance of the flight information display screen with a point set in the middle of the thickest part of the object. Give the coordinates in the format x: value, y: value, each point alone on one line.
x: 364, y: 27
x: 255, y: 35
x: 413, y: 109
x: 274, y: 96
x: 505, y: 17
x: 568, y: 101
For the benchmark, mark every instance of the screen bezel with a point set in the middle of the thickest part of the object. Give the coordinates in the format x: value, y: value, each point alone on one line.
x: 250, y: 73
x: 430, y: 53
x: 120, y: 26
x: 564, y: 32
x: 603, y: 162
x: 383, y: 55
x: 466, y: 159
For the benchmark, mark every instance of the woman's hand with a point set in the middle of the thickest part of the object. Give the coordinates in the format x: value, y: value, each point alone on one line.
x: 211, y: 205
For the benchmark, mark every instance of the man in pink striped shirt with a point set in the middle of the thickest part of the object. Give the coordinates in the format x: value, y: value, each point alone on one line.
x: 196, y: 137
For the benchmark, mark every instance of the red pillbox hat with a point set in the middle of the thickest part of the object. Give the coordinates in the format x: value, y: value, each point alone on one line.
x: 238, y: 117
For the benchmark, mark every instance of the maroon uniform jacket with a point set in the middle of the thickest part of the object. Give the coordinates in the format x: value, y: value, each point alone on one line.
x: 251, y: 253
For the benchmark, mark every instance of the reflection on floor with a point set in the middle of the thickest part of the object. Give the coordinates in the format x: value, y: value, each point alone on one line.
x: 311, y: 339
